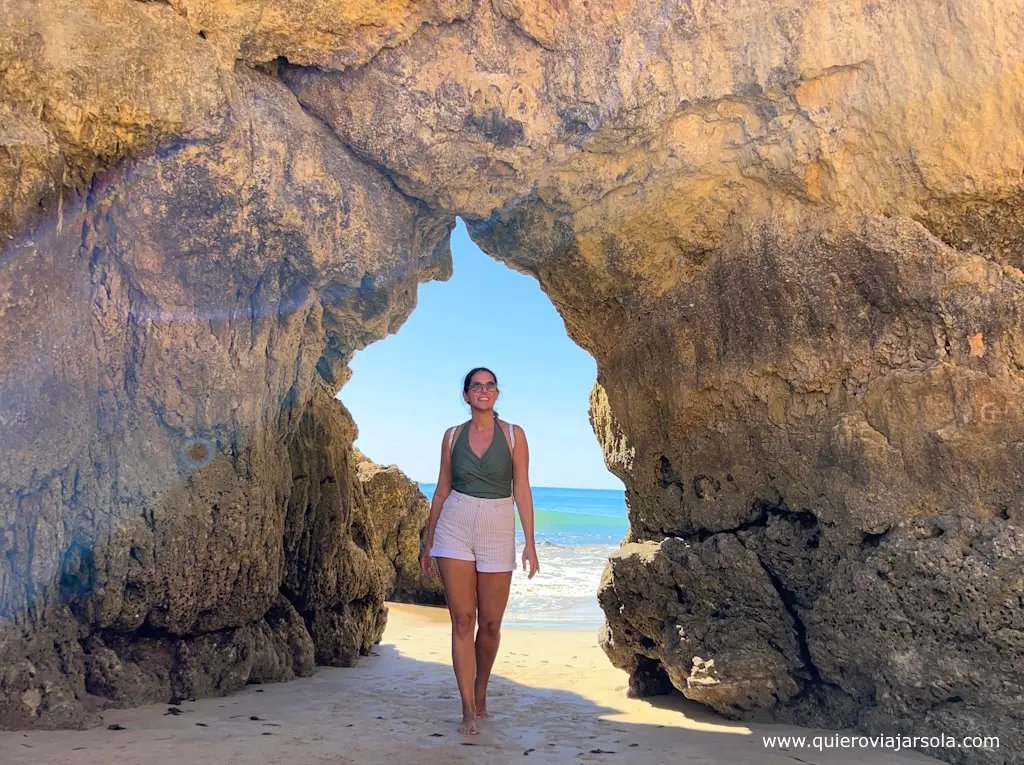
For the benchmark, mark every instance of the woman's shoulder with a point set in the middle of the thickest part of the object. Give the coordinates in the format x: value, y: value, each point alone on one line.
x: 507, y: 426
x: 454, y: 430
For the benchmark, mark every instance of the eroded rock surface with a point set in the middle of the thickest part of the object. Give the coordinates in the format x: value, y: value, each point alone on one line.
x: 796, y: 262
x: 398, y: 511
x: 788, y: 231
x: 174, y: 463
x: 323, y: 33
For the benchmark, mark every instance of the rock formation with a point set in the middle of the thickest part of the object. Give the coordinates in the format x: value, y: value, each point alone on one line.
x: 789, y: 232
x: 180, y: 506
x: 396, y: 513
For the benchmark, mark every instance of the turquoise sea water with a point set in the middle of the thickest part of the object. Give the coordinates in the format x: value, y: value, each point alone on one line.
x: 576, y: 530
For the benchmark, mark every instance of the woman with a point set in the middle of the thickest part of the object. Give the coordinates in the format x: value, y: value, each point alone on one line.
x: 484, y: 469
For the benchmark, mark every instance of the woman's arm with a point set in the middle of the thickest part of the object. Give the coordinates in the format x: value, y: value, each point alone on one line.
x: 524, y: 498
x: 441, y: 492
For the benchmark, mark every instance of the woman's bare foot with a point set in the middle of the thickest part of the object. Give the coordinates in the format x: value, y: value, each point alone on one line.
x: 468, y: 726
x: 480, y: 695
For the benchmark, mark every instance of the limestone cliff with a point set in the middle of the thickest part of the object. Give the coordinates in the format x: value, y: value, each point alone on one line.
x: 179, y: 502
x: 789, y: 232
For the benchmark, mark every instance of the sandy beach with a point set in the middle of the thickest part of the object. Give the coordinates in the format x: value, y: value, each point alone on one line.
x: 554, y: 698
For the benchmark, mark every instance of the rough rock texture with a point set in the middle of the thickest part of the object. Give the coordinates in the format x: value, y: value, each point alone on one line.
x: 351, y: 536
x: 323, y: 33
x: 789, y: 234
x: 174, y: 461
x: 398, y: 511
x: 86, y: 84
x: 789, y: 231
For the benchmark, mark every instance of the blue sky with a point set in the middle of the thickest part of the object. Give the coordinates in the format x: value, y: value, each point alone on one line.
x: 406, y: 389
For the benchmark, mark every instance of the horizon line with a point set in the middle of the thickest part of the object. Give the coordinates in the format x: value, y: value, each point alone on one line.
x: 532, y: 486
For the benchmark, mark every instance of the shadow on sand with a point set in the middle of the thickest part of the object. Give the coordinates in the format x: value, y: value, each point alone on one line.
x: 398, y: 706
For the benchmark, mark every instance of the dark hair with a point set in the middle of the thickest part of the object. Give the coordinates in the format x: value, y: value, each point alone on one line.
x: 469, y: 378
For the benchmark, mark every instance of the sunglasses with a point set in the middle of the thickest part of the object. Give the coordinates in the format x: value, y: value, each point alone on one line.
x: 490, y: 387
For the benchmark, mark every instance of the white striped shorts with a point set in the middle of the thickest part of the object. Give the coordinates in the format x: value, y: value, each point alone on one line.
x: 471, y: 528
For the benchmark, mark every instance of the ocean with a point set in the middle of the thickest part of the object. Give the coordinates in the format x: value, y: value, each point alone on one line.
x: 575, y: 530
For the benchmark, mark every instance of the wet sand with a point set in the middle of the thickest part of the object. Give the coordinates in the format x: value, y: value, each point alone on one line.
x: 554, y: 698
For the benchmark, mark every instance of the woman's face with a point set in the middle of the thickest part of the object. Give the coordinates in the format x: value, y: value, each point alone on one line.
x: 483, y: 391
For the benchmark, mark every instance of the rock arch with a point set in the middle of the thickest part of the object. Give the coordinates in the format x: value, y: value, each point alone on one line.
x: 788, y: 232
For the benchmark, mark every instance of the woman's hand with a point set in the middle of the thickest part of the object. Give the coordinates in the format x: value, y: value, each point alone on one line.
x: 426, y: 562
x: 530, y: 557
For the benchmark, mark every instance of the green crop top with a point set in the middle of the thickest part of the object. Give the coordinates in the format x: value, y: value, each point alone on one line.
x: 487, y: 477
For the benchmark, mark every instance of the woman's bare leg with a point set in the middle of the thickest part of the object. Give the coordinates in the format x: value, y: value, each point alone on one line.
x: 492, y: 597
x: 459, y: 578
